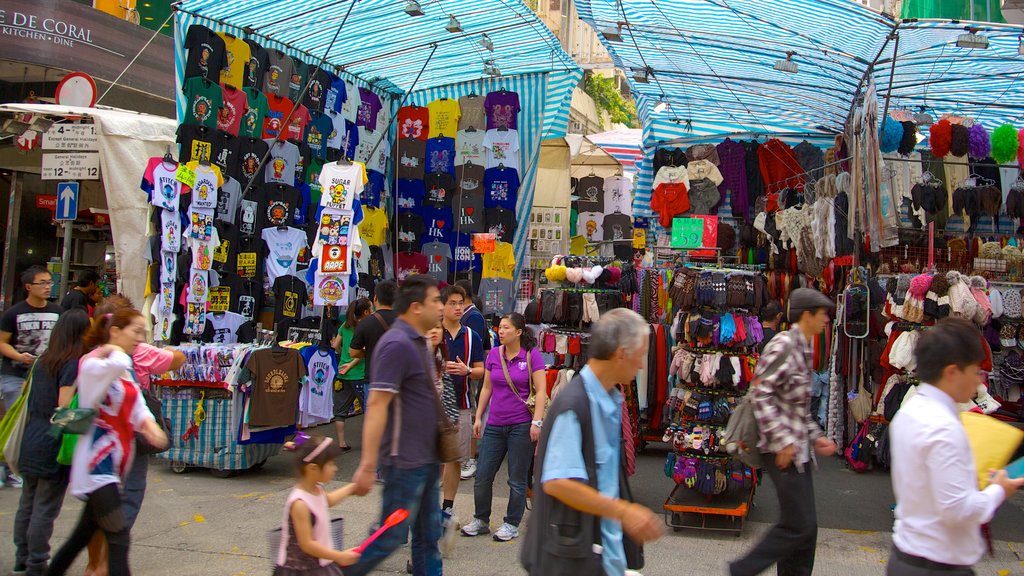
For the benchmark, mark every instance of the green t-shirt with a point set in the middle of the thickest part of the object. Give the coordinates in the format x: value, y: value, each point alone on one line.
x: 252, y: 120
x: 358, y: 372
x: 203, y: 101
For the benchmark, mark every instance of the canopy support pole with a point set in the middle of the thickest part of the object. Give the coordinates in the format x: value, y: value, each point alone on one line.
x: 871, y: 70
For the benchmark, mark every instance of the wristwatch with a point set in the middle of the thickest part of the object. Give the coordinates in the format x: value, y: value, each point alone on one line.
x: 538, y: 423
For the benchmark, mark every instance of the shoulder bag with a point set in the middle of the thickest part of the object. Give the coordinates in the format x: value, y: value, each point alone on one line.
x: 12, y: 427
x: 532, y: 400
x: 448, y: 446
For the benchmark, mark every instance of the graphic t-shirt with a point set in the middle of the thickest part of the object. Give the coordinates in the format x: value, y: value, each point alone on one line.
x: 196, y: 142
x: 469, y: 147
x: 283, y: 247
x: 502, y: 109
x: 617, y: 227
x: 337, y: 130
x: 205, y: 53
x: 374, y: 226
x: 441, y: 155
x: 473, y: 116
x: 618, y: 195
x: 245, y: 301
x: 462, y: 253
x: 201, y: 223
x: 198, y: 290
x: 30, y: 329
x: 225, y: 153
x: 225, y: 325
x: 501, y: 188
x: 330, y: 289
x: 501, y: 263
x: 225, y: 254
x: 439, y: 255
x: 202, y: 251
x: 236, y: 56
x: 444, y: 117
x: 297, y: 81
x: 160, y: 182
x: 375, y: 189
x: 297, y: 123
x: 350, y: 106
x: 316, y: 401
x: 250, y: 152
x: 276, y: 383
x: 440, y: 189
x: 369, y: 108
x: 590, y: 191
x: 203, y: 100
x: 170, y: 231
x: 341, y: 184
x: 276, y: 205
x: 279, y: 72
x: 257, y: 66
x: 319, y: 84
x: 228, y: 198
x: 277, y: 108
x: 501, y: 148
x: 336, y: 94
x: 409, y: 264
x: 281, y: 165
x: 256, y: 110
x: 413, y: 122
x: 410, y: 195
x: 234, y: 103
x: 589, y: 225
x: 469, y: 179
x: 410, y: 158
x: 305, y: 157
x: 290, y: 295
x: 318, y: 131
x: 334, y: 228
x: 410, y: 229
x: 470, y: 208
x: 502, y: 223
x: 208, y: 181
x: 439, y: 223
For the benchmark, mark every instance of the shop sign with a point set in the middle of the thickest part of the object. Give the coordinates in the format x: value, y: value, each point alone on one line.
x: 334, y: 259
x: 50, y: 29
x: 81, y: 137
x: 71, y: 166
x: 101, y: 220
x: 47, y: 201
x: 484, y: 243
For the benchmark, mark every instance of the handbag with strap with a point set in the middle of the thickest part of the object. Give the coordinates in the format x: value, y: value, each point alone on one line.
x: 530, y: 402
x: 12, y: 427
x: 448, y: 445
x: 634, y: 551
x: 156, y: 407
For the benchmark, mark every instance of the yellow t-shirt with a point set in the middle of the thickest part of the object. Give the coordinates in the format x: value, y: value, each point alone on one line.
x: 444, y: 117
x: 501, y: 263
x: 578, y: 245
x: 374, y: 226
x: 237, y: 53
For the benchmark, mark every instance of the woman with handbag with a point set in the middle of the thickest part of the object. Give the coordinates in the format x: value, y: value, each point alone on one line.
x: 108, y: 385
x: 45, y: 481
x: 513, y: 397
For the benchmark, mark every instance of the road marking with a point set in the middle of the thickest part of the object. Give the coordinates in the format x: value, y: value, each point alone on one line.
x: 859, y: 532
x: 199, y: 519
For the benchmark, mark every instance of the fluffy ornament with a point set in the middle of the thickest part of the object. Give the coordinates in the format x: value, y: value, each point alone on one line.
x: 890, y: 135
x: 959, y: 141
x: 590, y: 275
x: 1020, y: 148
x: 574, y: 275
x: 940, y: 135
x: 978, y: 144
x: 1005, y: 144
x: 555, y: 273
x: 909, y: 140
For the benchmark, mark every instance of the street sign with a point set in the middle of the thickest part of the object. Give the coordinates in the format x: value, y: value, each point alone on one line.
x: 47, y: 201
x: 71, y: 165
x: 67, y: 201
x: 80, y: 137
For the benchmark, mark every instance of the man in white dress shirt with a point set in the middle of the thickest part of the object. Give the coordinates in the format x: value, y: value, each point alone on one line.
x: 939, y: 508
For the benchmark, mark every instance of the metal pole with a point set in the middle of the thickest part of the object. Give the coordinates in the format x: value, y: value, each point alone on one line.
x: 13, y: 216
x: 65, y: 270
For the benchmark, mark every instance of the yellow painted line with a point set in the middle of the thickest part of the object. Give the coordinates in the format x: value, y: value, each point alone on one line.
x: 184, y: 523
x: 199, y: 519
x: 859, y: 532
x: 871, y: 550
x: 1003, y: 572
x: 247, y: 495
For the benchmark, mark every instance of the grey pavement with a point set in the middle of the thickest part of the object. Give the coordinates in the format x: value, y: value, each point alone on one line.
x: 194, y: 523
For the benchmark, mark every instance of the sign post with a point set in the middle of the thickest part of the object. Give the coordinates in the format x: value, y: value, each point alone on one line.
x: 66, y: 212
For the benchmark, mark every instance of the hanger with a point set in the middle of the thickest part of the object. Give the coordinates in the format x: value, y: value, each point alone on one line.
x: 204, y: 163
x: 501, y: 165
x: 471, y: 129
x: 169, y: 158
x: 473, y: 94
x: 503, y: 90
x: 344, y: 160
x: 503, y: 129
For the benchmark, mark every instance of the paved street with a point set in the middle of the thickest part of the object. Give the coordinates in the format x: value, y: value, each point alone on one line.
x: 194, y: 523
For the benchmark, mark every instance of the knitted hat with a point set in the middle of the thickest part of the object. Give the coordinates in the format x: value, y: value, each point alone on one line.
x: 901, y: 353
x: 590, y: 274
x: 939, y: 137
x: 983, y: 312
x: 961, y: 301
x: 1011, y: 302
x: 1011, y: 254
x: 991, y: 251
x: 959, y: 142
x: 1008, y: 335
x: 902, y: 285
x: 936, y: 302
x: 996, y: 298
x: 726, y: 237
x: 913, y: 307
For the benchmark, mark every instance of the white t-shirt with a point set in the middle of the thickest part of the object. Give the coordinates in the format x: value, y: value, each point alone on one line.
x: 283, y: 248
x: 352, y: 102
x: 501, y: 147
x: 338, y: 119
x: 316, y: 403
x: 330, y: 289
x: 618, y: 195
x: 225, y: 324
x: 469, y: 147
x: 166, y: 188
x: 342, y: 183
x: 204, y: 190
x: 590, y: 224
x: 198, y: 286
x: 368, y: 145
x: 202, y: 251
x: 170, y: 231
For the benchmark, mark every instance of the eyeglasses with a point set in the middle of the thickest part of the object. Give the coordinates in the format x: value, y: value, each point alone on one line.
x: 46, y: 283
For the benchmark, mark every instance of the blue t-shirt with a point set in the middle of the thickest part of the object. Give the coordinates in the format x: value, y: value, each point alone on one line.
x: 467, y: 337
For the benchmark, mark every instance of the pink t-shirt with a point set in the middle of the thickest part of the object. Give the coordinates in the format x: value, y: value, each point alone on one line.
x: 150, y: 361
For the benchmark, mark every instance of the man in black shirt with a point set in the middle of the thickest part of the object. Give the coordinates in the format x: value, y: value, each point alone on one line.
x: 370, y: 329
x: 771, y: 315
x: 86, y: 284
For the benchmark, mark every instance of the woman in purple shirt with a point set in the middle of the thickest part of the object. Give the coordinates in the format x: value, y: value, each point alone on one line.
x: 513, y: 427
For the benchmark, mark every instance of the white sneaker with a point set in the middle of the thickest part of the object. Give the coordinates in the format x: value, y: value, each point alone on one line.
x: 468, y: 469
x: 451, y: 526
x: 506, y: 533
x: 476, y: 528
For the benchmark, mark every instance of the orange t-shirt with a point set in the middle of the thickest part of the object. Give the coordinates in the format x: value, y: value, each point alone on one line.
x: 669, y: 200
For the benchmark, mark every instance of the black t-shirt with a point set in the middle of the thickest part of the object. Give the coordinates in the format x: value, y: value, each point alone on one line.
x: 258, y: 62
x: 249, y: 258
x: 502, y: 222
x: 590, y: 191
x: 246, y: 298
x: 376, y: 267
x: 247, y: 332
x: 319, y: 84
x: 440, y: 188
x: 250, y: 152
x: 39, y: 450
x: 289, y: 298
x: 225, y: 152
x: 305, y: 157
x: 410, y: 230
x: 369, y: 331
x: 196, y: 142
x: 30, y: 329
x: 77, y: 299
x: 226, y: 290
x: 276, y: 205
x: 617, y: 227
x: 206, y: 53
x: 226, y: 254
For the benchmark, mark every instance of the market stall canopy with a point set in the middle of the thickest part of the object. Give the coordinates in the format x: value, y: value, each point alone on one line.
x: 797, y: 66
x: 623, y: 144
x: 586, y: 153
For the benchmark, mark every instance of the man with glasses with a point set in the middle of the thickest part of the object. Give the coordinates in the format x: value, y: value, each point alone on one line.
x: 24, y: 333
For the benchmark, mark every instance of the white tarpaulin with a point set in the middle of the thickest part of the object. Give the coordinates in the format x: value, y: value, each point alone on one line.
x: 127, y: 141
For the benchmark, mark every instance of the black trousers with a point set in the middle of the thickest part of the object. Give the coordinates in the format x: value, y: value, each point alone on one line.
x: 792, y: 541
x: 901, y: 564
x: 102, y: 511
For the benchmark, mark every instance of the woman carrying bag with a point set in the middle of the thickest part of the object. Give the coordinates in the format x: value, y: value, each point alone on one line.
x: 514, y: 394
x: 103, y: 456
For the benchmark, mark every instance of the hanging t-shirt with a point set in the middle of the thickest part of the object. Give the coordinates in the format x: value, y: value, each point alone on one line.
x: 410, y: 195
x: 236, y: 55
x: 369, y: 107
x: 276, y: 205
x: 201, y: 223
x: 229, y: 118
x: 463, y: 257
x: 196, y: 142
x: 410, y: 229
x: 305, y: 157
x: 337, y: 130
x: 203, y: 99
x: 501, y: 263
x: 208, y: 180
x: 283, y: 247
x: 334, y: 228
x: 316, y: 402
x: 202, y: 251
x: 378, y: 161
x: 257, y: 67
x: 205, y: 53
x: 225, y: 325
x: 349, y: 140
x: 277, y: 108
x: 350, y: 107
x: 473, y: 116
x: 198, y: 286
x: 469, y: 179
x: 248, y: 216
x: 374, y: 227
x: 501, y: 222
x: 170, y: 231
x: 410, y: 158
x: 375, y: 189
x: 501, y: 148
x: 290, y: 294
x: 470, y: 208
x: 441, y: 155
x: 439, y: 223
x: 282, y: 161
x: 440, y: 189
x: 225, y: 153
x: 502, y: 109
x: 409, y: 264
x: 228, y: 198
x: 329, y: 289
x: 276, y: 384
x: 469, y: 147
x: 444, y: 117
x: 164, y: 188
x: 501, y: 188
x: 618, y: 195
x: 318, y: 131
x: 590, y: 192
x: 297, y: 123
x: 225, y: 253
x: 297, y: 81
x: 319, y: 84
x: 245, y: 301
x: 250, y: 152
x: 439, y: 255
x: 589, y: 224
x: 256, y: 109
x: 341, y: 184
x: 617, y: 227
x: 413, y: 122
x: 336, y: 94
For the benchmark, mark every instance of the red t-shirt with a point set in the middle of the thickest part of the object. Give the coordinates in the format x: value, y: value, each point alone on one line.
x: 297, y: 123
x: 669, y: 200
x: 229, y: 117
x: 410, y: 263
x: 273, y: 123
x: 413, y: 122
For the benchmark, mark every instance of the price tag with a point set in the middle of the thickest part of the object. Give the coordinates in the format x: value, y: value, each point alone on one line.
x: 687, y: 233
x: 247, y: 264
x: 484, y: 243
x: 185, y: 175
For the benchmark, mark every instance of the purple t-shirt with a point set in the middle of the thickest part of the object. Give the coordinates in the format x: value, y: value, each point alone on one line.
x: 369, y: 107
x: 506, y: 409
x: 502, y: 110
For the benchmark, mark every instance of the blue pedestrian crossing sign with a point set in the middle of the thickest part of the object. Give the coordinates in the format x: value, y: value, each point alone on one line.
x: 67, y: 201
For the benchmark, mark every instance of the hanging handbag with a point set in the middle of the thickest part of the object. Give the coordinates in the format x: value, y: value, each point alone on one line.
x: 634, y: 551
x: 448, y: 445
x: 156, y: 407
x: 68, y: 442
x: 71, y: 421
x: 12, y: 427
x: 530, y: 402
